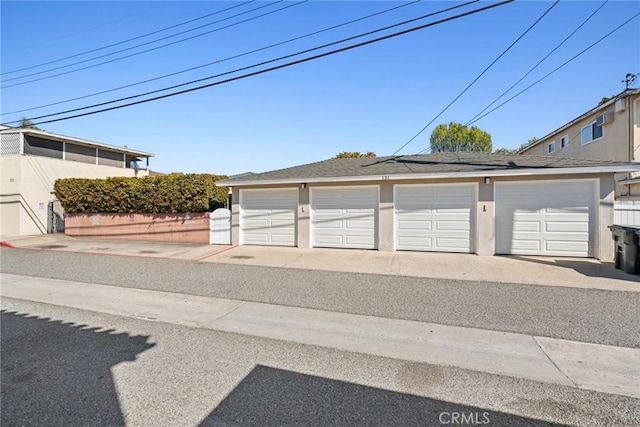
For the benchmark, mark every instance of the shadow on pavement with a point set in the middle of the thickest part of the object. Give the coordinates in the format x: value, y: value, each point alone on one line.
x: 270, y: 397
x: 59, y: 374
x: 587, y: 267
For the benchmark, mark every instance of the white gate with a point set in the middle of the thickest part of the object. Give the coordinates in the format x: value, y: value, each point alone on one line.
x: 626, y: 212
x: 220, y: 227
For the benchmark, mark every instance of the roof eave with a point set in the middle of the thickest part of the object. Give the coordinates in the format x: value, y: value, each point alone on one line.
x: 441, y: 175
x: 594, y: 110
x: 81, y: 141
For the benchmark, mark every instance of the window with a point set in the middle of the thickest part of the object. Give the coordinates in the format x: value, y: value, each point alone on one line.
x: 80, y: 153
x: 42, y: 147
x: 551, y: 147
x: 564, y: 141
x: 592, y: 131
x: 110, y: 158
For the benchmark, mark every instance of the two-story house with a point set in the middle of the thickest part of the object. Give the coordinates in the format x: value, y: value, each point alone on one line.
x: 610, y: 131
x: 30, y: 162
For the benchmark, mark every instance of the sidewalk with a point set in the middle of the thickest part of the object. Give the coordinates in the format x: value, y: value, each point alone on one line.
x: 63, y: 243
x: 599, y: 368
x: 546, y: 271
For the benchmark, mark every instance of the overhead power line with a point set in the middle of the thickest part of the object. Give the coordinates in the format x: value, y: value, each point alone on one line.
x: 153, y: 48
x: 477, y: 78
x: 558, y: 68
x: 127, y: 40
x: 218, y: 61
x: 255, y: 65
x: 289, y: 64
x: 539, y: 62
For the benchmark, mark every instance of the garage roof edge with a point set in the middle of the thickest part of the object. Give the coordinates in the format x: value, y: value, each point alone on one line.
x: 467, y: 174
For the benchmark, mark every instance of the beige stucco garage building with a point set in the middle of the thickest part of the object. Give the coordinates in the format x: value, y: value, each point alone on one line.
x: 457, y: 202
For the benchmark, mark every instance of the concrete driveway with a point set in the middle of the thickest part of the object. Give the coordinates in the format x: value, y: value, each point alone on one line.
x: 573, y: 272
x: 547, y: 271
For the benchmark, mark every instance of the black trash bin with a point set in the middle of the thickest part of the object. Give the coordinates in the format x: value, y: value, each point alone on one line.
x: 627, y: 248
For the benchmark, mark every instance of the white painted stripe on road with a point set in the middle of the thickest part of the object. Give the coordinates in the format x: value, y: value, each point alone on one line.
x: 510, y: 354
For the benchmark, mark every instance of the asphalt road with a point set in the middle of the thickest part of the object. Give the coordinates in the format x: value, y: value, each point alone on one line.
x: 595, y: 316
x: 64, y: 366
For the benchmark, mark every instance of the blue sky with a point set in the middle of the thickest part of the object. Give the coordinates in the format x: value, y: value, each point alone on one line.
x: 372, y: 98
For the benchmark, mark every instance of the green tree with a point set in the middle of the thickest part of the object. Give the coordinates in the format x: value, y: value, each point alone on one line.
x: 606, y: 99
x: 458, y: 137
x: 26, y: 124
x: 507, y: 150
x: 354, y: 155
x: 518, y: 149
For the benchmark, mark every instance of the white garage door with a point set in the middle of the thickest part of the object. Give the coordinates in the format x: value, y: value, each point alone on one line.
x: 268, y: 217
x: 434, y: 217
x: 544, y: 218
x: 344, y: 217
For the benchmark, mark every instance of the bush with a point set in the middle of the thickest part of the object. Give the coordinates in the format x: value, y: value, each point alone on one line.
x: 174, y: 193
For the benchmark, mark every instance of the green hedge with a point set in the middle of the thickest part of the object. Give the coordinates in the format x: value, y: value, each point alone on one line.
x: 174, y: 193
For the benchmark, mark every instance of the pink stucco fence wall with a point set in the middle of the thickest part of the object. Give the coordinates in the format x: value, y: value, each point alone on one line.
x: 175, y: 228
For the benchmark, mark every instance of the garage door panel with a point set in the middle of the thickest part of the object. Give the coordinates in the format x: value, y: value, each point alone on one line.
x: 523, y: 247
x: 268, y: 217
x: 453, y: 245
x: 417, y: 215
x: 256, y: 224
x: 330, y: 240
x: 359, y: 225
x: 256, y: 213
x: 451, y: 210
x: 416, y: 243
x: 359, y: 241
x: 283, y: 239
x: 452, y: 225
x: 579, y: 210
x: 550, y: 218
x: 413, y: 225
x: 329, y: 224
x: 434, y: 217
x: 282, y: 225
x: 530, y: 226
x: 256, y: 239
x: 344, y: 217
x: 566, y: 227
x: 565, y: 246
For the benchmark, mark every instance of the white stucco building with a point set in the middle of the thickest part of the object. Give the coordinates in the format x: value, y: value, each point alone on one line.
x: 31, y: 161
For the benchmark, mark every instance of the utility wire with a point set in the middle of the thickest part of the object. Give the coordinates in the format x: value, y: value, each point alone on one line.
x: 255, y: 65
x: 477, y: 78
x: 289, y: 64
x: 127, y: 40
x: 218, y: 61
x: 558, y: 68
x: 153, y: 48
x: 539, y: 62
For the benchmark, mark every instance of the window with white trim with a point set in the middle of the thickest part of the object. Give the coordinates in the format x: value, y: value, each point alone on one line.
x: 551, y: 148
x: 564, y: 141
x: 593, y: 130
